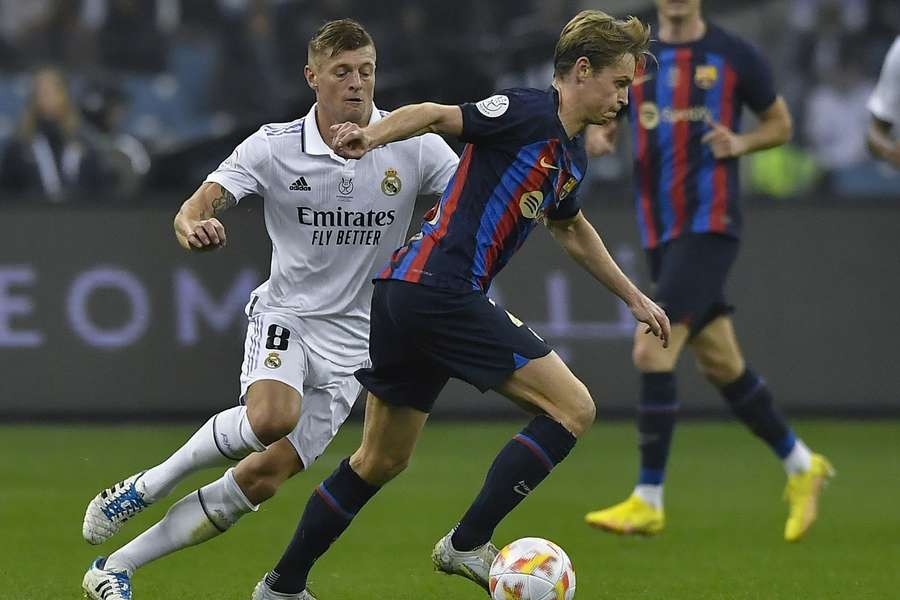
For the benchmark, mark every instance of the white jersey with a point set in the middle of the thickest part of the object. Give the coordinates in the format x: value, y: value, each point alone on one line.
x: 884, y: 102
x: 333, y: 222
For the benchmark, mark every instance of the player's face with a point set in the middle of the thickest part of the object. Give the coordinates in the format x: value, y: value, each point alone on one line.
x: 345, y: 85
x: 605, y: 92
x: 678, y: 9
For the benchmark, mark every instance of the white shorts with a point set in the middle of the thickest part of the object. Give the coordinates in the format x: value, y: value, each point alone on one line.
x: 274, y: 350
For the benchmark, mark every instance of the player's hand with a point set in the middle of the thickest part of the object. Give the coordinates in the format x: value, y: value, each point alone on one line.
x: 199, y: 235
x: 723, y: 142
x: 648, y: 312
x: 350, y: 140
x: 601, y: 139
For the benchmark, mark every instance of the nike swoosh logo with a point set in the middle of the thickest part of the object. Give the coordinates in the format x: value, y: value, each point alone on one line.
x: 642, y: 79
x: 547, y: 165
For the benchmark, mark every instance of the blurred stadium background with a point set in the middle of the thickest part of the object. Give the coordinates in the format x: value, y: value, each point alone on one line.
x: 104, y: 319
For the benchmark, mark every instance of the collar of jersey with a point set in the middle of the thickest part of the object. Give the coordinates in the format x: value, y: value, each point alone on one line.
x: 569, y: 145
x: 313, y: 142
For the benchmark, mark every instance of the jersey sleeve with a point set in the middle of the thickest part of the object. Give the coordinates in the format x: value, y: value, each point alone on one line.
x: 884, y: 103
x: 437, y: 163
x: 243, y: 173
x: 756, y: 84
x: 568, y: 208
x: 502, y: 118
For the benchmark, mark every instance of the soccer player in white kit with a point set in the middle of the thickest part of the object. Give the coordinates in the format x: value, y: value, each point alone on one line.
x: 884, y: 104
x: 333, y: 222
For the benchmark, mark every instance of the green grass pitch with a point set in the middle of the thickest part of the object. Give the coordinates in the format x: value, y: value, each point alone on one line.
x: 723, y: 539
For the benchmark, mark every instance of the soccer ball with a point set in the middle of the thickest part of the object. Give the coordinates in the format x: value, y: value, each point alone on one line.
x: 532, y: 569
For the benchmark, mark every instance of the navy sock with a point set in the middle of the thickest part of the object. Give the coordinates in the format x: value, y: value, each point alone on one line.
x: 519, y: 467
x: 656, y: 421
x: 328, y: 513
x: 752, y: 402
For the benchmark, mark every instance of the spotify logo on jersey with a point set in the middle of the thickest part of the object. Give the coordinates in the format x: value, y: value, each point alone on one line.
x: 530, y: 204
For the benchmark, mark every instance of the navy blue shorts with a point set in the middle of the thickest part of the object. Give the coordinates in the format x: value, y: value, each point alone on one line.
x: 421, y: 336
x: 689, y: 275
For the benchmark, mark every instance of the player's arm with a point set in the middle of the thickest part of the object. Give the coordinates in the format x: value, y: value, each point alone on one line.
x: 582, y: 242
x: 881, y: 142
x: 774, y: 129
x: 353, y: 141
x: 196, y: 225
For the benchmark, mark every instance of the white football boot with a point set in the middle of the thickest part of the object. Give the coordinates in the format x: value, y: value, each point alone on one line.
x: 263, y: 592
x: 109, y: 510
x: 101, y: 584
x: 474, y: 564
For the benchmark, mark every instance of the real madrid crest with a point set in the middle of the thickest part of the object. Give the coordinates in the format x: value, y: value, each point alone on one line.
x: 391, y: 183
x: 273, y: 360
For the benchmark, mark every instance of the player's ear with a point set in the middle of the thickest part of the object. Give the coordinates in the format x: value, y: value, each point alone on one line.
x: 583, y: 68
x: 311, y: 78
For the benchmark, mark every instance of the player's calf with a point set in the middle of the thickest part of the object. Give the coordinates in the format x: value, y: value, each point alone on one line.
x: 518, y: 469
x: 261, y: 474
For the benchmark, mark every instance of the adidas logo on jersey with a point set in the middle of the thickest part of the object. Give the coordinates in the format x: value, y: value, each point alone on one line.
x: 300, y: 185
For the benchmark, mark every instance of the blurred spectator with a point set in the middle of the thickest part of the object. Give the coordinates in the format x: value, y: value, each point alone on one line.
x: 884, y: 104
x: 104, y: 106
x: 191, y: 72
x: 836, y: 117
x: 250, y: 63
x: 53, y: 154
x: 129, y: 33
x: 824, y: 30
x: 41, y: 31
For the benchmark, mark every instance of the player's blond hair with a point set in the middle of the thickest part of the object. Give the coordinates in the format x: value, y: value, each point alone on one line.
x: 600, y: 38
x: 335, y: 37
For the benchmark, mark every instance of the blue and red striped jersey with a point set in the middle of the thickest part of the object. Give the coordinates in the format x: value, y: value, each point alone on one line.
x: 680, y: 186
x: 518, y: 168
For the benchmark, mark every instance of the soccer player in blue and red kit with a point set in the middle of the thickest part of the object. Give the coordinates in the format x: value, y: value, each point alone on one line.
x: 432, y: 319
x: 685, y: 112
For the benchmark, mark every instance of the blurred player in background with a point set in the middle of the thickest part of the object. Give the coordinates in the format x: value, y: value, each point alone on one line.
x: 685, y: 111
x: 332, y: 223
x: 884, y: 104
x: 432, y: 319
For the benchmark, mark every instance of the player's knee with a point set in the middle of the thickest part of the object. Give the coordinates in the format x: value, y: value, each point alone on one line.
x: 720, y: 372
x: 272, y: 419
x: 585, y: 412
x: 378, y: 469
x: 647, y: 358
x: 261, y: 489
x: 260, y: 480
x: 580, y: 411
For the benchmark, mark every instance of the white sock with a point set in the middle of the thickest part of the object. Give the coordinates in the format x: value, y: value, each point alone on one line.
x: 799, y: 460
x: 227, y: 437
x: 651, y: 494
x: 196, y: 518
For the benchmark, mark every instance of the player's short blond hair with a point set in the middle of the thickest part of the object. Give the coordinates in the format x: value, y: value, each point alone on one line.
x: 335, y: 37
x: 602, y: 39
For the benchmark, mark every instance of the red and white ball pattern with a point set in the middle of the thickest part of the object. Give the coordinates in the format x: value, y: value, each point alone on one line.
x: 532, y: 569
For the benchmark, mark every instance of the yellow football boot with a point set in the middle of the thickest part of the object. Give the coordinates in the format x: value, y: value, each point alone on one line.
x: 634, y: 516
x: 802, y: 494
